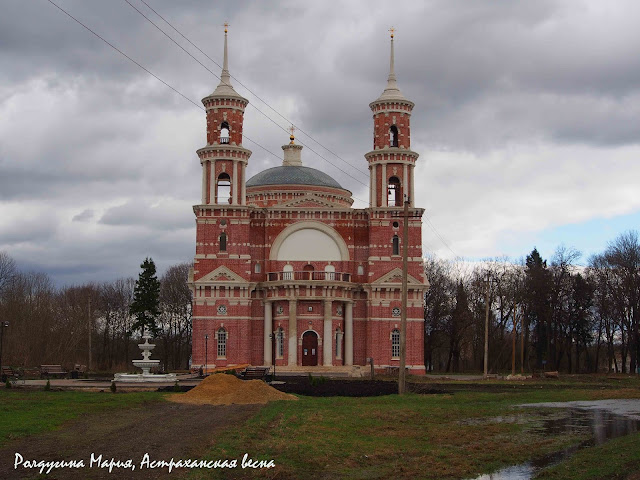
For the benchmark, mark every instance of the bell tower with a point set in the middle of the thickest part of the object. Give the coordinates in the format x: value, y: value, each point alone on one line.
x: 391, y: 162
x: 220, y: 278
x: 391, y: 166
x: 224, y: 159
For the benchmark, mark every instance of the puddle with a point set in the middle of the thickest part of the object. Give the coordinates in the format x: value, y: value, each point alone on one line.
x: 599, y: 425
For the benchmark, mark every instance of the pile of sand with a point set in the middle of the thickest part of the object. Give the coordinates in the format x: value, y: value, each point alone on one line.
x: 222, y: 389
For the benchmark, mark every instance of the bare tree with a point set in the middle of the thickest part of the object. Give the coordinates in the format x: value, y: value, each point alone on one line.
x: 175, y: 318
x: 623, y: 257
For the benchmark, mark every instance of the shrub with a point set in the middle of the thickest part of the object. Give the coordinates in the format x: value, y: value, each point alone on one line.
x: 113, y: 387
x: 47, y: 387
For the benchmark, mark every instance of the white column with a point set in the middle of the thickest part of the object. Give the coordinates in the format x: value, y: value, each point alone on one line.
x: 293, y: 333
x: 212, y: 183
x: 405, y: 182
x: 204, y: 183
x: 385, y: 186
x: 348, y: 333
x: 243, y: 186
x: 234, y: 183
x: 327, y: 340
x: 268, y: 331
x: 374, y: 186
x: 412, y: 180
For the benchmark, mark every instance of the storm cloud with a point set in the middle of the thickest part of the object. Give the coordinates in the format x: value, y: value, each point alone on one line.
x: 527, y: 117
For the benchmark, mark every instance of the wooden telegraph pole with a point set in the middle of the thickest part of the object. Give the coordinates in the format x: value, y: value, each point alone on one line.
x: 403, y: 318
x: 515, y: 334
x: 90, y: 329
x: 486, y: 331
x: 522, y: 345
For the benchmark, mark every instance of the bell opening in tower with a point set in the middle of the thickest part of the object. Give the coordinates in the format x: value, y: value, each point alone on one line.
x: 393, y: 136
x: 224, y: 132
x: 394, y: 198
x: 223, y: 189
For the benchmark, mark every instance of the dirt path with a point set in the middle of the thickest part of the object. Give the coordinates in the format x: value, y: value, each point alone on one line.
x: 163, y: 430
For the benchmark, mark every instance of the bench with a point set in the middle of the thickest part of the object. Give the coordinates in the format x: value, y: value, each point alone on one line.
x: 8, y: 373
x: 255, y: 373
x: 395, y: 371
x: 52, y: 371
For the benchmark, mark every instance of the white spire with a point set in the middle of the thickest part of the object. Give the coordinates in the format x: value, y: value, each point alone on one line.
x: 225, y: 77
x: 224, y: 88
x: 391, y: 92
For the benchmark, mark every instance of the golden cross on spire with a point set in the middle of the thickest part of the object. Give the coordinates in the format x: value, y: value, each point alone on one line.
x: 392, y: 30
x: 226, y: 26
x: 291, y: 137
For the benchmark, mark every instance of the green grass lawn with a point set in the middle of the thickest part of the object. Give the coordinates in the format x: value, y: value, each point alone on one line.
x: 28, y: 412
x: 441, y: 436
x: 414, y: 436
x: 617, y: 459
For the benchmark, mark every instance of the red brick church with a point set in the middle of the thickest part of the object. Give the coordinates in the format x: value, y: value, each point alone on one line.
x: 285, y: 270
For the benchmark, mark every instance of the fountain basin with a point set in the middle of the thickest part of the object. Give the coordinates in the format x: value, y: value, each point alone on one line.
x: 145, y: 378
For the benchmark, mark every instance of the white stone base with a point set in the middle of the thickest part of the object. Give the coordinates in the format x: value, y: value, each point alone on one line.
x: 143, y: 378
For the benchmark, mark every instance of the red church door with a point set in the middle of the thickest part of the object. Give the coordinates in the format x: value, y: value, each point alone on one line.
x: 309, y: 349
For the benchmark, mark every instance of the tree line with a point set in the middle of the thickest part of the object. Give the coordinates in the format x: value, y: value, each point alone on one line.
x: 541, y: 315
x: 565, y: 316
x: 90, y: 324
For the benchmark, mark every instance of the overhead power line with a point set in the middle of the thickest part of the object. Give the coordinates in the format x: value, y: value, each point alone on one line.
x: 147, y: 70
x: 251, y: 105
x: 160, y: 79
x: 289, y: 122
x: 432, y: 226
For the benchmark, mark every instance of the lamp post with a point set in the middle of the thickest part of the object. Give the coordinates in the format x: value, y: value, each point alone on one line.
x: 274, y: 345
x: 206, y: 353
x: 3, y: 325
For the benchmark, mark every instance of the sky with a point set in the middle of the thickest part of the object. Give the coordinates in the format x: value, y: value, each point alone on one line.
x: 526, y: 119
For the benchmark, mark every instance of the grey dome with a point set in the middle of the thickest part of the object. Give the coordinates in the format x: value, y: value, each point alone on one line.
x: 291, y: 175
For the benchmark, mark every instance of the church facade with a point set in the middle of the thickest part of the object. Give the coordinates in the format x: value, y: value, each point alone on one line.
x: 285, y: 270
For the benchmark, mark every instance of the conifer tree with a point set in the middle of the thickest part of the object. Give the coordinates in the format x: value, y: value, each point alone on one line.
x: 146, y: 299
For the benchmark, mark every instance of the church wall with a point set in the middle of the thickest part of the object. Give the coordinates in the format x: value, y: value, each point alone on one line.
x: 382, y: 123
x: 218, y: 112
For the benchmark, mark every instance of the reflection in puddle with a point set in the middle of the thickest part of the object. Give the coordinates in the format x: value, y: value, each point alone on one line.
x: 601, y: 425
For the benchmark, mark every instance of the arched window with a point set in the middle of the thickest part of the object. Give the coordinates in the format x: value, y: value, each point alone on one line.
x: 224, y: 188
x: 224, y: 132
x: 338, y: 343
x: 330, y: 272
x: 287, y: 272
x: 221, y: 335
x: 393, y: 136
x: 395, y: 343
x: 223, y: 242
x: 394, y: 197
x: 395, y: 245
x: 280, y: 343
x: 308, y: 268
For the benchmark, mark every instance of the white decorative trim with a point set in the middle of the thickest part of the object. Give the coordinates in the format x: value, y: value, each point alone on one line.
x: 277, y: 243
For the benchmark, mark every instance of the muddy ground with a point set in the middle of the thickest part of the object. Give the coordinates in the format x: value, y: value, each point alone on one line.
x: 319, y: 387
x: 163, y: 430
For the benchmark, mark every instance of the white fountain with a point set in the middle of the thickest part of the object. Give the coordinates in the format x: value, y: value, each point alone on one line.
x: 145, y: 364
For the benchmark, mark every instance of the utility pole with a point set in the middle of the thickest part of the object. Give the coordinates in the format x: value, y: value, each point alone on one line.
x: 90, y: 328
x: 403, y: 324
x: 486, y: 331
x: 515, y: 334
x: 206, y: 353
x: 522, y: 330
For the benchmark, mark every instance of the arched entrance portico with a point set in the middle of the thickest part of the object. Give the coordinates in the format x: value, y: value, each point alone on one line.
x: 309, y: 349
